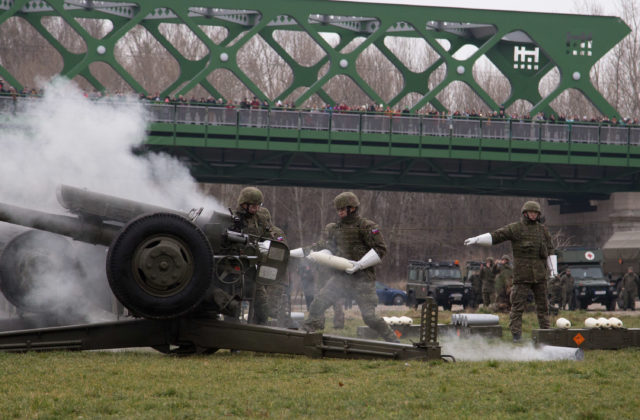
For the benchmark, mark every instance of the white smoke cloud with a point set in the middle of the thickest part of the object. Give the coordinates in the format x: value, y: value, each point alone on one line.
x: 65, y: 138
x: 476, y: 348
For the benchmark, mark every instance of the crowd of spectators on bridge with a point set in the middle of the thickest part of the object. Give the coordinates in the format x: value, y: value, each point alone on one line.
x: 255, y: 103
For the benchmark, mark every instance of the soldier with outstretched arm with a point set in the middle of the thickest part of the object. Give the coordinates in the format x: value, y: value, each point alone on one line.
x: 533, y: 257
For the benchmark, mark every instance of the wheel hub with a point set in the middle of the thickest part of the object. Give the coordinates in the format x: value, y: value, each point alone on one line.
x: 163, y: 265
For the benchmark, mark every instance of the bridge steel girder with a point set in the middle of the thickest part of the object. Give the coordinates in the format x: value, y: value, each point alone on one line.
x: 524, y: 47
x: 561, y: 181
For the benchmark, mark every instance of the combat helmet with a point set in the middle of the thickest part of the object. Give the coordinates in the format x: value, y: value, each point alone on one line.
x: 346, y: 199
x: 250, y: 195
x: 506, y: 257
x: 531, y: 206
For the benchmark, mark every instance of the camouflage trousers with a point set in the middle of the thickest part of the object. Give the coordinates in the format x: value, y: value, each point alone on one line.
x: 362, y: 287
x: 260, y: 306
x: 628, y: 300
x: 556, y: 296
x: 277, y: 297
x: 488, y: 297
x: 566, y: 297
x: 519, y: 293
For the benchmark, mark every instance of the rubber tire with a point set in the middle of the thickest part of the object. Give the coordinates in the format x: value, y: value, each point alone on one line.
x: 397, y: 300
x: 122, y: 280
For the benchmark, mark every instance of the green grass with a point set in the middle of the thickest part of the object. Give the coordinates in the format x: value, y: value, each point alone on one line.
x: 148, y: 385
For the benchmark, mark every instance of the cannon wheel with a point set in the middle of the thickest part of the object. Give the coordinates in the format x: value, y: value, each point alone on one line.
x: 160, y: 266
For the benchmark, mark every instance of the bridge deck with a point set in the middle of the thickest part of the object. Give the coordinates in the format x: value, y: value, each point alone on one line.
x: 571, y: 161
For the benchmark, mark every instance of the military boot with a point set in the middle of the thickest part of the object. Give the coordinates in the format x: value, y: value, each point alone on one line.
x: 517, y: 337
x: 311, y: 326
x: 390, y: 337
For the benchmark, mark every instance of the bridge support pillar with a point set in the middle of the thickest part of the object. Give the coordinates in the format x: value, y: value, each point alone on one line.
x: 614, y: 227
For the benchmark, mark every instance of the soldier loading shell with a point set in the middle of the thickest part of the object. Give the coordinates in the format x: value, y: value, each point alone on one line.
x: 533, y: 256
x: 360, y: 241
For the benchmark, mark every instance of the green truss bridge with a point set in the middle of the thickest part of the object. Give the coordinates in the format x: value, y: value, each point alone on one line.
x: 410, y: 152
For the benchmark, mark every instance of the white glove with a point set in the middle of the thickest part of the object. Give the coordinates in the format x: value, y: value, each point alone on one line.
x: 369, y: 259
x: 552, y: 263
x: 296, y: 253
x: 484, y: 239
x: 356, y: 267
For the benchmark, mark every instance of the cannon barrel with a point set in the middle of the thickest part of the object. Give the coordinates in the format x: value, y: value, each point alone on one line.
x: 100, y: 217
x: 73, y: 227
x: 103, y: 206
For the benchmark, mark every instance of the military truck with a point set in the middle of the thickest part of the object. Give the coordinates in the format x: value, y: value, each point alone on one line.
x: 440, y: 280
x: 590, y: 284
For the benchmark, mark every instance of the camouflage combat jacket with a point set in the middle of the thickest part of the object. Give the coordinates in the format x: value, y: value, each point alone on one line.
x: 351, y: 238
x: 488, y: 278
x: 258, y: 224
x: 504, y: 280
x: 531, y: 245
x: 476, y: 283
x: 567, y: 282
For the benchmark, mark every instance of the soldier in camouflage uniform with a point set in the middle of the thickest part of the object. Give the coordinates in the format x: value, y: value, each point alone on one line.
x: 532, y: 252
x: 488, y: 279
x: 324, y: 274
x: 504, y: 282
x: 567, y: 288
x: 255, y: 220
x: 555, y: 293
x: 476, y: 289
x: 629, y: 290
x: 307, y: 281
x: 352, y: 237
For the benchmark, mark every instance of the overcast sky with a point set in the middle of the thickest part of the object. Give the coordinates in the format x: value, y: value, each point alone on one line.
x: 548, y: 6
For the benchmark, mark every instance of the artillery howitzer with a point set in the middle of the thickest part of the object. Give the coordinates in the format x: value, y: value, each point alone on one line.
x: 173, y: 269
x: 161, y: 263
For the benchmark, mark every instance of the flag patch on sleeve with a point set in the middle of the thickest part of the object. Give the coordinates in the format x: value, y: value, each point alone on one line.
x: 375, y: 231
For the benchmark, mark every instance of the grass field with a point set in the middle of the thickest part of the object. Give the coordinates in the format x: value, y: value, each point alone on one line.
x: 147, y: 385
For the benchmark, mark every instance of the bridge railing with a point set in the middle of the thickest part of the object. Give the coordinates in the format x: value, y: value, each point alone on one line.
x: 412, y: 125
x: 364, y: 123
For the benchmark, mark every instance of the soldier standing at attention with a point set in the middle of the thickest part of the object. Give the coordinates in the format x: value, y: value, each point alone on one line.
x: 476, y: 289
x: 488, y: 278
x: 359, y: 240
x: 504, y: 282
x: 532, y: 253
x: 556, y: 291
x: 567, y: 288
x: 629, y: 289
